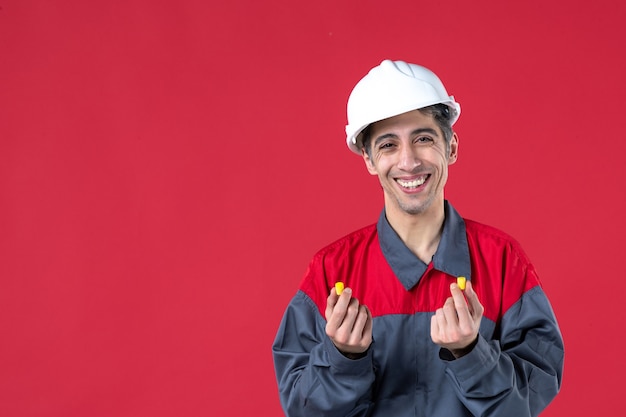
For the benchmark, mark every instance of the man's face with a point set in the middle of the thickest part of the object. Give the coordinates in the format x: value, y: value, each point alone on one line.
x: 410, y: 157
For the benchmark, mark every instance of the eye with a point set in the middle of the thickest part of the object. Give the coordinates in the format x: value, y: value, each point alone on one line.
x: 424, y: 139
x: 386, y: 145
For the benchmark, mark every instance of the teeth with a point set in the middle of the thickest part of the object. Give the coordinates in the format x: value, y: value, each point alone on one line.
x: 412, y: 184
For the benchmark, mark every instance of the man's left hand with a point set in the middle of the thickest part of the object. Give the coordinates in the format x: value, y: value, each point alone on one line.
x: 455, y: 325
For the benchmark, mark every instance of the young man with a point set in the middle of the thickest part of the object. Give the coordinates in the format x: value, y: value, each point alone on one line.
x: 403, y: 338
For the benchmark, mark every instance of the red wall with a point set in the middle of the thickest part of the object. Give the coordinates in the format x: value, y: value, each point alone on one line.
x: 168, y: 168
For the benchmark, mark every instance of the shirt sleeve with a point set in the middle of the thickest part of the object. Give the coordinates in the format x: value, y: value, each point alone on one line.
x: 519, y: 374
x: 314, y: 378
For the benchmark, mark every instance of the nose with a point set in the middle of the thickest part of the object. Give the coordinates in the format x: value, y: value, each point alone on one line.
x: 409, y: 158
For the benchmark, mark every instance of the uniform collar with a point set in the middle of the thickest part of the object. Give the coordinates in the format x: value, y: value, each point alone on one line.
x: 451, y: 257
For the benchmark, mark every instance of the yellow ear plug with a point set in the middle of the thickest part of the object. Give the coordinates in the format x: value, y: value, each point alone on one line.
x: 339, y: 287
x: 460, y: 281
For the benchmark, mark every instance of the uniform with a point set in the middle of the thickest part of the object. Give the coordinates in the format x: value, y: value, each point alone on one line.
x: 515, y: 368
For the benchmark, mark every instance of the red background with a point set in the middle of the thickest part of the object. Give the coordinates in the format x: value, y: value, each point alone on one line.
x: 168, y: 168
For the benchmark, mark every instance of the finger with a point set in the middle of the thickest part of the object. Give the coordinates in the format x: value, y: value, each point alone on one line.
x: 344, y: 333
x: 441, y: 323
x: 475, y: 307
x: 369, y: 323
x: 458, y: 296
x: 434, y: 329
x: 331, y: 301
x: 352, y: 311
x: 360, y: 322
x: 339, y: 307
x: 450, y: 313
x: 460, y: 305
x: 366, y: 334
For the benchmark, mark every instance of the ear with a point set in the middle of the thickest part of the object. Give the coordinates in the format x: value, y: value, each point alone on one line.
x: 368, y: 162
x: 454, y: 149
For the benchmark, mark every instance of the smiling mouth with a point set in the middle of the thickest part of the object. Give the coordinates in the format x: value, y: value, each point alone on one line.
x: 413, y: 183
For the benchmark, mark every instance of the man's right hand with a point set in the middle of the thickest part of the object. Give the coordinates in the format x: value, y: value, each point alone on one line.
x: 348, y: 324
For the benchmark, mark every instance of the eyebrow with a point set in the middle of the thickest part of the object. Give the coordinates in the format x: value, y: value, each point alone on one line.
x: 413, y: 133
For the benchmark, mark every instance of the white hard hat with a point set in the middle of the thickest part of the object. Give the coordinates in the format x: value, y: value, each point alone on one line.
x: 390, y: 89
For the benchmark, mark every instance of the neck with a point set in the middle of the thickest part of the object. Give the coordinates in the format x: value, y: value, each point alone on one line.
x: 421, y: 233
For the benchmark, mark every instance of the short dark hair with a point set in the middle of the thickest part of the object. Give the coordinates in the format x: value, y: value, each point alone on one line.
x: 440, y: 112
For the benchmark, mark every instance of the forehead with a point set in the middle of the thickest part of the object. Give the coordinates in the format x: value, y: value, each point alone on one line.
x: 408, y: 121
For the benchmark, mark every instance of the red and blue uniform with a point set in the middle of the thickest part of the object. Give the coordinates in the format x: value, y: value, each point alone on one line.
x: 514, y: 370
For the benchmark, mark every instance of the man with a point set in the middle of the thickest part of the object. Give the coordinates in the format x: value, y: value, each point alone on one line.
x: 403, y: 339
